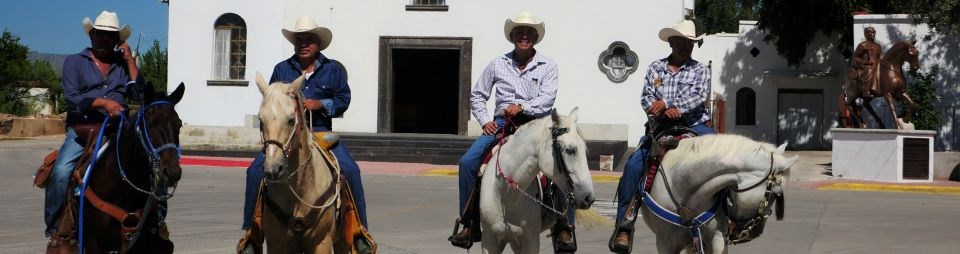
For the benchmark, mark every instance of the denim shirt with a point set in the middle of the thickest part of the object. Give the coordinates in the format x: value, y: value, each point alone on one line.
x: 328, y: 83
x: 83, y: 83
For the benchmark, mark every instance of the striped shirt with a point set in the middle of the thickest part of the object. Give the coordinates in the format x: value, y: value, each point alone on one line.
x: 534, y: 88
x: 685, y: 90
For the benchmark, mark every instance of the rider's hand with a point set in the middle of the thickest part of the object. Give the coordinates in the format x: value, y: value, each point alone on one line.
x: 513, y: 110
x: 110, y: 106
x: 312, y: 104
x: 127, y: 53
x: 489, y: 128
x: 673, y: 113
x: 656, y: 108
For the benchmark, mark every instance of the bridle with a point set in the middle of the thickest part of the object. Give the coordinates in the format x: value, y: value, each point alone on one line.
x: 287, y: 146
x: 747, y: 229
x: 153, y: 152
x: 560, y: 166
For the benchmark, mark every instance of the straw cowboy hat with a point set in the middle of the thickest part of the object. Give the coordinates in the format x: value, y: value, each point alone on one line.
x: 305, y: 24
x: 684, y: 29
x: 107, y: 21
x: 525, y: 19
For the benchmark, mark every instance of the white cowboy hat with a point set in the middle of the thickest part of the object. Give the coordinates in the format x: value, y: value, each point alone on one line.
x: 107, y: 21
x: 305, y: 24
x: 525, y: 19
x: 684, y: 29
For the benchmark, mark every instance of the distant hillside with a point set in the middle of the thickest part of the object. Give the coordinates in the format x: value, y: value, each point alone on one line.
x: 55, y: 60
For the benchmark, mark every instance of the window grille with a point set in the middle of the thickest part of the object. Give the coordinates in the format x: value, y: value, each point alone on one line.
x: 229, y: 47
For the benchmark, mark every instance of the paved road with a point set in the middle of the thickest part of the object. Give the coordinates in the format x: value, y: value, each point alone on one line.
x: 414, y: 214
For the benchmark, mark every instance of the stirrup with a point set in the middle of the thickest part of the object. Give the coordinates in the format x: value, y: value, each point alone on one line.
x: 465, y: 242
x: 565, y: 247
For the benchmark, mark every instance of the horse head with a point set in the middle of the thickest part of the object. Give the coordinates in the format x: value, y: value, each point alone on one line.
x: 160, y: 125
x: 281, y: 117
x: 758, y: 194
x: 904, y: 51
x: 568, y: 169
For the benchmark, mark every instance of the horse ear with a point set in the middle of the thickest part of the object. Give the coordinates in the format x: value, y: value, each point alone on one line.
x: 913, y: 42
x: 574, y: 114
x: 262, y: 84
x: 149, y: 94
x: 556, y: 116
x: 297, y: 84
x: 782, y: 148
x: 177, y: 94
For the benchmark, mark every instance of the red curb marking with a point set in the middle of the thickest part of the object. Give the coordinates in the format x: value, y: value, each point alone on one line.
x: 215, y: 162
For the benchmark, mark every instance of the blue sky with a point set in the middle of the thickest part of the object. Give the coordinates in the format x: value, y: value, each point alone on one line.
x: 53, y: 26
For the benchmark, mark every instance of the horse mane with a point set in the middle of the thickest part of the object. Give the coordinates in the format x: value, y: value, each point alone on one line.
x: 701, y: 150
x: 545, y: 122
x: 899, y: 48
x: 276, y: 92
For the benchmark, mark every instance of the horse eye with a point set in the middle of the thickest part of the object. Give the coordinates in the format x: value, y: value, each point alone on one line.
x: 570, y: 151
x: 291, y: 122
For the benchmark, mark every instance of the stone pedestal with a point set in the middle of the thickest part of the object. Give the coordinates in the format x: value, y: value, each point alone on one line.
x: 883, y: 155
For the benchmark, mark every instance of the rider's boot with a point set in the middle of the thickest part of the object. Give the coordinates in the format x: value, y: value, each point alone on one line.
x: 564, y: 237
x: 470, y: 220
x: 622, y: 239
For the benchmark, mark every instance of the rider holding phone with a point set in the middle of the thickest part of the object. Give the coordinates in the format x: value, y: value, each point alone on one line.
x: 95, y: 83
x: 675, y: 89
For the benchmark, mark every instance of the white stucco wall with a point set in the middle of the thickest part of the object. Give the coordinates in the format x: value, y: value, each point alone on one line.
x: 576, y: 33
x: 734, y: 68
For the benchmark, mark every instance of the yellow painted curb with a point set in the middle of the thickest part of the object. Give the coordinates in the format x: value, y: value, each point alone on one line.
x: 891, y: 188
x: 454, y: 172
x: 440, y: 172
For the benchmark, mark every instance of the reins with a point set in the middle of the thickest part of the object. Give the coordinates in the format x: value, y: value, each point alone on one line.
x: 559, y: 165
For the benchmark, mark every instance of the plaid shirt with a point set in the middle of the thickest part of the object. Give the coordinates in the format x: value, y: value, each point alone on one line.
x: 685, y: 90
x: 534, y: 88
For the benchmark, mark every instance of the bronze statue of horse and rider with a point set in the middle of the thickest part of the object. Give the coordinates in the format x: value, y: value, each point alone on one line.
x: 884, y: 78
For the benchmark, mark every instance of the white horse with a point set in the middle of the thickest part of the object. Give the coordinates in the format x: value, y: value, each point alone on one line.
x: 509, y: 213
x: 299, y: 204
x: 718, y: 182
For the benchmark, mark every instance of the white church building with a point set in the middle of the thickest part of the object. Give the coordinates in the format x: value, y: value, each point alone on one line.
x: 411, y: 65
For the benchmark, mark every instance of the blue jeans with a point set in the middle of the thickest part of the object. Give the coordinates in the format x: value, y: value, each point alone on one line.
x: 470, y: 165
x: 633, y: 170
x: 56, y: 191
x: 348, y: 167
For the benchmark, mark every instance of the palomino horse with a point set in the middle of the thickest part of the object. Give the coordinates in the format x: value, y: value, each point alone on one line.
x: 302, y: 187
x: 135, y: 170
x: 713, y: 190
x: 509, y: 214
x: 892, y: 85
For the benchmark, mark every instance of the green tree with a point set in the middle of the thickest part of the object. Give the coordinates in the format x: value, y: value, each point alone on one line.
x: 153, y: 67
x: 924, y: 94
x: 723, y: 16
x: 43, y: 75
x: 13, y: 66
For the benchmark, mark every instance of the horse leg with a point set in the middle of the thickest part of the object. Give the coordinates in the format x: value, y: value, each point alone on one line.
x: 326, y: 245
x: 666, y: 245
x: 490, y: 243
x: 893, y: 111
x: 908, y: 115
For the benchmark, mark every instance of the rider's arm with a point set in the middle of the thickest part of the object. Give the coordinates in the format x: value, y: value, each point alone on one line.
x: 649, y: 94
x: 547, y: 96
x: 696, y: 94
x: 481, y: 93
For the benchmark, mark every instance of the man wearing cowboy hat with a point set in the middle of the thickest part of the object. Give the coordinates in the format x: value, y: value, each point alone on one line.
x: 326, y: 94
x: 526, y: 82
x: 675, y: 89
x: 95, y: 83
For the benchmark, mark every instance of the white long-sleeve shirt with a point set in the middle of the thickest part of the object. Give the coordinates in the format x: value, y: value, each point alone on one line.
x: 534, y: 88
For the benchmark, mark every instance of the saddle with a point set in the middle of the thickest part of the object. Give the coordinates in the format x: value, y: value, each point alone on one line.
x: 87, y: 133
x: 355, y: 235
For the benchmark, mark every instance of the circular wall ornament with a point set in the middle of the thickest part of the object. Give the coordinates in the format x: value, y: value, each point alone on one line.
x: 617, y: 62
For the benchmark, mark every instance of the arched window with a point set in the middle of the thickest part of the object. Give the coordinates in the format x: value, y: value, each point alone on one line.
x: 746, y: 106
x: 229, y: 47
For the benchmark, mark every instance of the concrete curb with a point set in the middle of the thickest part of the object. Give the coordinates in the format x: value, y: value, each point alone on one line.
x: 891, y: 188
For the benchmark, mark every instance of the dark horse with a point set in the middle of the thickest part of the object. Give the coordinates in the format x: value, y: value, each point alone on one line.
x: 139, y: 166
x: 892, y: 85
